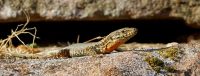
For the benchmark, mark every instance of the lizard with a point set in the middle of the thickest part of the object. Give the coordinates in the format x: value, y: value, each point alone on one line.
x: 109, y: 43
x: 106, y: 45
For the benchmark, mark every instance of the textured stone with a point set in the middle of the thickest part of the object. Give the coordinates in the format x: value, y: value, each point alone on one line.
x: 129, y: 63
x: 11, y: 10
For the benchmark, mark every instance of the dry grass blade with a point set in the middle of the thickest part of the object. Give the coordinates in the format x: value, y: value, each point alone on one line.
x: 78, y: 39
x: 96, y: 38
x: 7, y: 43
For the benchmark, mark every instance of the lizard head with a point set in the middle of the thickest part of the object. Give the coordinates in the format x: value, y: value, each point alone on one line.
x: 118, y: 37
x: 123, y: 34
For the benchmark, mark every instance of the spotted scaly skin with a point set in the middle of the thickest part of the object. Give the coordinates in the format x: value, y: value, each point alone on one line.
x: 106, y: 45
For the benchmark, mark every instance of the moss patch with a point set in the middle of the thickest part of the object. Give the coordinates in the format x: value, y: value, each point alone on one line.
x: 170, y: 52
x: 158, y: 65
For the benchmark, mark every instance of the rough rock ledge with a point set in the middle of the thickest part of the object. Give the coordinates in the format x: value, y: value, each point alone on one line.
x: 11, y: 10
x: 129, y: 63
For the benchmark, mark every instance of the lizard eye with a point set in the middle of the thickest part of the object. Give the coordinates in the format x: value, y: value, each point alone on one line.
x: 123, y: 31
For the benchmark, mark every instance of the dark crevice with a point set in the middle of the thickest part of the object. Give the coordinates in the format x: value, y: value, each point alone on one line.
x: 150, y: 31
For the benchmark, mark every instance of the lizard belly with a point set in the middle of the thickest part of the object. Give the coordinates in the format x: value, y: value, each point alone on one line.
x: 109, y: 48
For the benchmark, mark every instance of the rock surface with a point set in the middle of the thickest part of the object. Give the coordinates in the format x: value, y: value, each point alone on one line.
x: 128, y: 63
x: 189, y: 10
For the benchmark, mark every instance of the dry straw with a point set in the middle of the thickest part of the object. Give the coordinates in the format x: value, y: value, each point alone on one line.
x: 6, y: 44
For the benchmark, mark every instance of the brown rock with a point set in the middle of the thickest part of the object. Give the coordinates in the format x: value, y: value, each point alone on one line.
x: 11, y: 10
x: 129, y: 63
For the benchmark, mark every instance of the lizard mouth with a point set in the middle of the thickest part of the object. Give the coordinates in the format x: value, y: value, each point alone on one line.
x: 133, y: 32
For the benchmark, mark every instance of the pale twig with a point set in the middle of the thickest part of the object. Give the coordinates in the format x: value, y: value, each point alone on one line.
x: 18, y: 26
x: 78, y: 38
x: 6, y: 43
x: 34, y: 36
x: 96, y: 38
x: 27, y: 20
x: 19, y: 39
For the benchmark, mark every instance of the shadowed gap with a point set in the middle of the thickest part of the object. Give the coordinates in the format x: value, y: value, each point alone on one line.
x: 150, y: 31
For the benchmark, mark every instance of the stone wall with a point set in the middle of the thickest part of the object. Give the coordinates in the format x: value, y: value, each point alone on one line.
x: 11, y: 10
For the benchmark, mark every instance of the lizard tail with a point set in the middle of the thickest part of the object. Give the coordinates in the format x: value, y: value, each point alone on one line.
x: 64, y: 53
